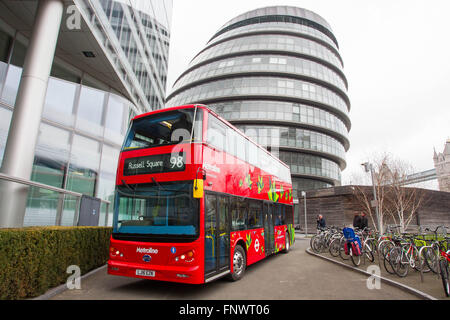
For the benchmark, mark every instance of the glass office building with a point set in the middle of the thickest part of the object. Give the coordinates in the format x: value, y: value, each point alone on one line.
x: 106, y: 70
x: 276, y: 73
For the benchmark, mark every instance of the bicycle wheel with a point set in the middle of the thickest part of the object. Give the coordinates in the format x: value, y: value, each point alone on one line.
x: 356, y: 260
x: 325, y: 243
x: 418, y: 264
x: 385, y: 247
x: 431, y: 259
x: 421, y: 264
x: 368, y: 252
x: 334, y: 247
x: 399, y: 262
x: 317, y: 244
x: 321, y: 245
x: 387, y: 263
x: 443, y: 264
x: 314, y: 243
x: 372, y: 245
x: 384, y: 250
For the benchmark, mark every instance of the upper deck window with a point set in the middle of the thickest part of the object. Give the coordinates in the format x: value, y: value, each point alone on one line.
x: 163, y: 129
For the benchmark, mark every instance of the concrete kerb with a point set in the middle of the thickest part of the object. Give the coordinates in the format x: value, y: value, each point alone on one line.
x: 414, y: 291
x: 60, y: 289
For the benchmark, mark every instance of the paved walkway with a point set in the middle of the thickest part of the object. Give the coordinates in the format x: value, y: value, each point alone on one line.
x: 297, y: 275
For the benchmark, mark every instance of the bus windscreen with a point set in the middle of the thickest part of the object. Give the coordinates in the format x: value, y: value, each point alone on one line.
x: 162, y: 209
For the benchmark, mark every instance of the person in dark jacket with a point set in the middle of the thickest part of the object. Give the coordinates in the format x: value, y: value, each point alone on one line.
x: 356, y: 220
x: 321, y: 224
x: 364, y: 221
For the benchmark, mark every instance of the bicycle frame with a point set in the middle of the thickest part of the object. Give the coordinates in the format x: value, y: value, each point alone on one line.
x: 409, y: 254
x: 445, y: 255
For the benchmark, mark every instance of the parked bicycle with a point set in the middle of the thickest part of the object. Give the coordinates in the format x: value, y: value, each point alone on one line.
x: 437, y: 256
x: 356, y: 246
x: 320, y: 242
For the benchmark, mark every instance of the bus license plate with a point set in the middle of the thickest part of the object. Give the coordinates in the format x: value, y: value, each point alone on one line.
x: 145, y: 273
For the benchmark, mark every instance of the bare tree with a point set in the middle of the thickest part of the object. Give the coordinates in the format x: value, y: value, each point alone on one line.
x: 403, y: 202
x: 365, y: 196
x: 396, y: 203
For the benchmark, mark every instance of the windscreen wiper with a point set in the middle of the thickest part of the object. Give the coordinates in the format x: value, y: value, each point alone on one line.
x: 128, y: 186
x: 160, y: 187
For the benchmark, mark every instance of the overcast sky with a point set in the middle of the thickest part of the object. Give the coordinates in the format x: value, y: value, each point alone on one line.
x: 396, y: 58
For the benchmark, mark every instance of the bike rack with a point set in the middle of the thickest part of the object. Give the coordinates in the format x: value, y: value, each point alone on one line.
x: 421, y: 263
x: 422, y: 260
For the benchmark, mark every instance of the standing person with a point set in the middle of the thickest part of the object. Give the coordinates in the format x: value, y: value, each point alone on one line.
x: 364, y: 221
x: 321, y: 224
x: 357, y: 220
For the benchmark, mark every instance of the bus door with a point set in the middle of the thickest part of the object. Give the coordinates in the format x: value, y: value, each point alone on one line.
x: 268, y: 228
x: 217, y: 235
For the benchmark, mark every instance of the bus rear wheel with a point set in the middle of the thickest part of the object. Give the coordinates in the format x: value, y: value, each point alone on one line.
x: 239, y: 263
x: 287, y: 245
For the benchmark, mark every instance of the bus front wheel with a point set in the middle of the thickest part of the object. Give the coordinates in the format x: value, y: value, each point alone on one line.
x: 239, y: 263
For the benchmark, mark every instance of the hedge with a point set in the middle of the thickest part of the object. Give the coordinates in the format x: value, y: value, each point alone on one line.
x: 35, y: 259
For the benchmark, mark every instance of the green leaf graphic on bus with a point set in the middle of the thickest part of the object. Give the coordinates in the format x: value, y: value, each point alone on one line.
x: 291, y: 234
x: 290, y: 194
x: 260, y: 184
x: 248, y: 181
x: 248, y: 243
x: 240, y: 183
x: 273, y: 195
x: 281, y: 192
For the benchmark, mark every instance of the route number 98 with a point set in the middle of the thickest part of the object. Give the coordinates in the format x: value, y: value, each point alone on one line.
x: 176, y: 162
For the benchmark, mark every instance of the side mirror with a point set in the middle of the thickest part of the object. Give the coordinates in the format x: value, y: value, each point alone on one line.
x: 198, y: 188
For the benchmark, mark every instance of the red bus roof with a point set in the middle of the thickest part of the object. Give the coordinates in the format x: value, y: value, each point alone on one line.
x: 171, y: 109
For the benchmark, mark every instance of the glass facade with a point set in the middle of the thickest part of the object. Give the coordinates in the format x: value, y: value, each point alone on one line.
x: 78, y: 146
x: 296, y: 113
x: 281, y: 27
x: 276, y: 74
x: 294, y: 138
x: 264, y: 64
x: 82, y: 127
x: 135, y: 34
x: 281, y: 43
x: 294, y: 89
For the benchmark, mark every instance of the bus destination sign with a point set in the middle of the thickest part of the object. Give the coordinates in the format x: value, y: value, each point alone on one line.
x: 169, y: 162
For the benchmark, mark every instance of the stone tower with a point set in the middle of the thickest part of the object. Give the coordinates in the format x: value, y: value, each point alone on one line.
x: 442, y: 165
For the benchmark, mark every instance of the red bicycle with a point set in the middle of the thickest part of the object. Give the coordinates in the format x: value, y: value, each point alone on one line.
x: 438, y: 260
x: 444, y: 260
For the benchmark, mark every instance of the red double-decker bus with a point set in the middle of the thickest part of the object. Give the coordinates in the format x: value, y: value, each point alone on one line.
x: 196, y: 199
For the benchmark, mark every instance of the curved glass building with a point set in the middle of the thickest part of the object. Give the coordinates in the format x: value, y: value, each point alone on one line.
x: 110, y: 64
x: 276, y: 73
